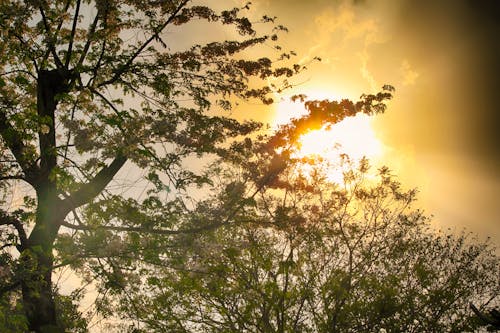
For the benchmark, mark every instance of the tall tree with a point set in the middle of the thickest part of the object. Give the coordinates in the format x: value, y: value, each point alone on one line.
x: 90, y: 88
x: 322, y: 257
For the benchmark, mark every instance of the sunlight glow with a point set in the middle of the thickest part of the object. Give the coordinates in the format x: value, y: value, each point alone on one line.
x: 353, y: 136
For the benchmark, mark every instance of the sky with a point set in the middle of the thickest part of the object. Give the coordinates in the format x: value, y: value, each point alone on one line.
x: 439, y: 132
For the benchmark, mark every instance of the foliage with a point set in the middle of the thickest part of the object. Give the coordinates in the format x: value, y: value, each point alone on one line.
x: 322, y: 257
x: 12, y: 319
x: 95, y: 91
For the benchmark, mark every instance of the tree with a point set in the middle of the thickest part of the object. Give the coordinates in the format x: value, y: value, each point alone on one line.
x: 323, y: 257
x: 91, y: 88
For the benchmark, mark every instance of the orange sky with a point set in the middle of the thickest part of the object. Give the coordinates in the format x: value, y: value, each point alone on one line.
x: 439, y: 133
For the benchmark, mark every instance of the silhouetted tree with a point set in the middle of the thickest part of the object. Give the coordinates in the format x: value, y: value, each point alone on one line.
x: 91, y: 88
x: 314, y: 256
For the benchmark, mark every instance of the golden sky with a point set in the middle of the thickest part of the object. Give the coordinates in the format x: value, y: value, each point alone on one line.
x: 439, y: 133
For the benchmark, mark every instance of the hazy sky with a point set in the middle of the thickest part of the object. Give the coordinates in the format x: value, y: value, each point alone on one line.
x: 440, y: 131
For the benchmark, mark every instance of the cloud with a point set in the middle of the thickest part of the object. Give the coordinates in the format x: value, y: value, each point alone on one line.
x: 344, y: 34
x: 408, y: 73
x: 364, y: 56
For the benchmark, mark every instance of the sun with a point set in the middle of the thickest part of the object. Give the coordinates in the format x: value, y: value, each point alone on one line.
x: 354, y: 136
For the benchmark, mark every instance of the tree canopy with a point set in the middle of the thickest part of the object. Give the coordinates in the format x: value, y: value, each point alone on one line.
x: 99, y: 96
x: 321, y: 257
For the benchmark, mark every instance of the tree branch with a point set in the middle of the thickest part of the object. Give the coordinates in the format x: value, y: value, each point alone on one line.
x: 12, y: 177
x: 493, y: 319
x: 18, y: 71
x: 14, y: 142
x: 6, y: 245
x: 154, y: 36
x: 208, y: 227
x: 25, y: 44
x: 142, y: 229
x: 6, y: 219
x: 73, y: 31
x: 120, y: 127
x: 95, y: 186
x: 90, y: 34
x: 95, y: 69
x: 51, y: 47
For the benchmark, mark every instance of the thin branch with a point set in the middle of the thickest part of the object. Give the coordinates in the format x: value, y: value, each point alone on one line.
x: 486, y: 319
x: 65, y: 146
x: 12, y: 177
x: 68, y: 138
x: 154, y: 36
x: 6, y: 245
x: 98, y: 64
x: 95, y: 69
x: 61, y: 21
x: 25, y: 44
x: 143, y: 146
x: 73, y: 31
x: 76, y: 166
x: 208, y: 227
x: 19, y: 71
x: 90, y: 34
x: 58, y: 30
x: 91, y: 255
x: 84, y: 173
x: 51, y: 47
x: 142, y: 229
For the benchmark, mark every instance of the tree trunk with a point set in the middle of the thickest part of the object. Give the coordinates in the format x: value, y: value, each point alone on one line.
x: 37, y: 257
x: 38, y: 299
